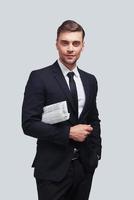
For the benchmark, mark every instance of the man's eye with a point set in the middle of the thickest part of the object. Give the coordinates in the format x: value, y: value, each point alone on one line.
x: 76, y: 43
x: 64, y: 43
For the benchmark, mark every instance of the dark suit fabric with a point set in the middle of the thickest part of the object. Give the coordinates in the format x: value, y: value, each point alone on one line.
x: 47, y: 86
x: 75, y: 185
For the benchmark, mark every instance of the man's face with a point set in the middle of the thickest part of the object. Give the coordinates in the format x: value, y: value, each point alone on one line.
x: 69, y: 46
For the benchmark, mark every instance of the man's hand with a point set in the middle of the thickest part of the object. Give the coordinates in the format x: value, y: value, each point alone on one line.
x: 80, y: 132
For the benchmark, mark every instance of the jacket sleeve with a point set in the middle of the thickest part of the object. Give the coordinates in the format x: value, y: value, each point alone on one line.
x: 33, y: 103
x: 95, y: 138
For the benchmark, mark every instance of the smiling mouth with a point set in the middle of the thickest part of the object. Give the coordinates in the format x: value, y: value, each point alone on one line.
x: 70, y: 55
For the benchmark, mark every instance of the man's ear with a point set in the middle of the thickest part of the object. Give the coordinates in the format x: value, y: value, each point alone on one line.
x: 56, y: 44
x: 83, y: 45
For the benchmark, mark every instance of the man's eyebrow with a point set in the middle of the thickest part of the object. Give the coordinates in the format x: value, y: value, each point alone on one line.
x: 64, y: 40
x: 76, y: 41
x: 71, y: 41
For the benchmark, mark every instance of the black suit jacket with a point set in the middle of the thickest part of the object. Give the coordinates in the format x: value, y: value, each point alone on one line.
x: 54, y: 148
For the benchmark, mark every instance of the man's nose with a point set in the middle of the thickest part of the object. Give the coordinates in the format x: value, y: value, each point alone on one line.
x: 70, y: 48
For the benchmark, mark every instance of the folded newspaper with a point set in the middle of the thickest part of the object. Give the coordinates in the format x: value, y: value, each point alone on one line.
x: 55, y: 113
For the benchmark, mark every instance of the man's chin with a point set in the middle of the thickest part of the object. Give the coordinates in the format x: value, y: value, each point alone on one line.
x: 71, y: 62
x: 67, y: 62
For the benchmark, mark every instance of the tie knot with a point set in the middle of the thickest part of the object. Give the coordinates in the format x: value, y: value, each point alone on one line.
x: 70, y: 74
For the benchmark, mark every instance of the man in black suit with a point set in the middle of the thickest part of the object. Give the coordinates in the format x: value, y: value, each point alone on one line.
x: 67, y: 151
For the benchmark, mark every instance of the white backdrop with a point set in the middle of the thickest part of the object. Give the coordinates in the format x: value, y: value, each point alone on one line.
x: 27, y: 42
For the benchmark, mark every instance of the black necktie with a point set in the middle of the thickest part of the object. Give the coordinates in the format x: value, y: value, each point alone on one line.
x: 73, y: 90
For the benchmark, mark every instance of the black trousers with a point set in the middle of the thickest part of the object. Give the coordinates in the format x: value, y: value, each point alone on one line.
x: 75, y: 186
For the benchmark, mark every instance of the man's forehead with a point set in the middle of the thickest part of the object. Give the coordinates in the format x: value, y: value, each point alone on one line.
x: 71, y: 36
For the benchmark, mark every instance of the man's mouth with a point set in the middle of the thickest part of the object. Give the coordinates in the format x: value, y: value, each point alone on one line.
x: 70, y: 56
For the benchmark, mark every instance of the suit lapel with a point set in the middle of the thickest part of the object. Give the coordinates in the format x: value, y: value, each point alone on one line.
x: 62, y: 83
x: 86, y: 86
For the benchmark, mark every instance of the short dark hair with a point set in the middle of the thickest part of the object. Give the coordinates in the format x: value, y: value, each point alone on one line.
x: 70, y: 26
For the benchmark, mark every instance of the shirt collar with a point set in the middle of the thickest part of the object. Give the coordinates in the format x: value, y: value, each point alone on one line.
x: 65, y: 70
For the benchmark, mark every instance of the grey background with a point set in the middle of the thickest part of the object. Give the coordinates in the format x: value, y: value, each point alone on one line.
x: 27, y: 42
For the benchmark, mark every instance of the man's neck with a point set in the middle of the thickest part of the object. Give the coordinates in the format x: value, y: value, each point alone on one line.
x: 70, y: 67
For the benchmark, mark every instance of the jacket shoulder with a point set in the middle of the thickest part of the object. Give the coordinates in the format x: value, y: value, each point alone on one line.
x: 42, y: 73
x: 38, y: 76
x: 43, y: 70
x: 87, y: 75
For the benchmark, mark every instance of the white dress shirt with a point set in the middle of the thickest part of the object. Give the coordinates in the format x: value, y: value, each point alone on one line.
x: 78, y: 82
